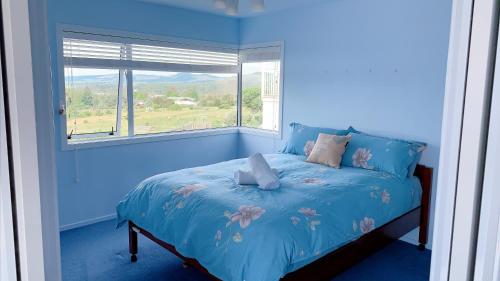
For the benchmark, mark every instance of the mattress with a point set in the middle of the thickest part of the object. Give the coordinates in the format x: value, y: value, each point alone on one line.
x: 244, y: 233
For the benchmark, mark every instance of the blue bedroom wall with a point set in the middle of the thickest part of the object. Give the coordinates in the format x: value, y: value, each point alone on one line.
x: 379, y: 66
x: 92, y: 181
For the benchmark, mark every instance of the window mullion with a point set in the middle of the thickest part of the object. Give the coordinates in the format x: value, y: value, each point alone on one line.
x: 130, y: 103
x: 239, y: 97
x: 119, y: 103
x: 130, y: 92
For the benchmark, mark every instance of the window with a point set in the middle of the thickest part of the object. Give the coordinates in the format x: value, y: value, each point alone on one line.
x: 261, y: 87
x: 116, y: 87
x: 261, y: 95
x: 172, y: 101
x: 93, y: 103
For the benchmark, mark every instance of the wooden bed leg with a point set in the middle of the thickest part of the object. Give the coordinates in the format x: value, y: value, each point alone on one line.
x: 132, y: 242
x: 425, y: 208
x: 423, y: 231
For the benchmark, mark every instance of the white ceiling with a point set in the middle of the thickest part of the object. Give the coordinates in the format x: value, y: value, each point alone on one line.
x: 244, y: 10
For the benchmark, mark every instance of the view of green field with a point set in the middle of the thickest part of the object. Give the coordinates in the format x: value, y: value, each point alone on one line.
x: 162, y: 103
x: 162, y: 120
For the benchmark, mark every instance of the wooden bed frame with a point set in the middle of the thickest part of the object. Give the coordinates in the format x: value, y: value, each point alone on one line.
x: 344, y: 257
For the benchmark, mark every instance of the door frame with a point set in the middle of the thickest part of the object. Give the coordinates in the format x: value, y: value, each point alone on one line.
x: 451, y: 132
x: 471, y: 57
x: 478, y: 91
x: 44, y: 110
x: 8, y: 259
x: 23, y: 138
x: 488, y: 246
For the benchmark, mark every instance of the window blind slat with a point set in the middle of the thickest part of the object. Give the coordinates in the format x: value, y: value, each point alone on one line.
x: 89, y: 62
x: 177, y: 50
x: 164, y: 54
x: 260, y: 54
x: 102, y: 50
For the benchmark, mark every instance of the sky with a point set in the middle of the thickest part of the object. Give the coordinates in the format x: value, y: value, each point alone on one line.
x: 93, y: 71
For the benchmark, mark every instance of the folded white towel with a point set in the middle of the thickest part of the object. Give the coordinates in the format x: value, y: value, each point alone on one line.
x: 263, y: 174
x: 247, y: 177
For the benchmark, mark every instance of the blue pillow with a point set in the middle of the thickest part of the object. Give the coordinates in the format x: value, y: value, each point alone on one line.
x: 419, y: 151
x: 421, y: 146
x: 381, y: 154
x: 302, y: 138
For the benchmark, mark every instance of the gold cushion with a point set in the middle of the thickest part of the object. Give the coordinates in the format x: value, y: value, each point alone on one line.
x: 328, y: 150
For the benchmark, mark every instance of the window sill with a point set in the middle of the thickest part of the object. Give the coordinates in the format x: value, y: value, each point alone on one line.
x: 170, y: 137
x: 260, y: 132
x: 149, y: 138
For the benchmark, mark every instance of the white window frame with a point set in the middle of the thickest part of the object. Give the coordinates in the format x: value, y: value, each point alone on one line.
x: 93, y: 33
x: 256, y: 131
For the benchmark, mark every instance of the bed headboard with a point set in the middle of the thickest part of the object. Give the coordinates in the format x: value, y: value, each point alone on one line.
x: 425, y: 175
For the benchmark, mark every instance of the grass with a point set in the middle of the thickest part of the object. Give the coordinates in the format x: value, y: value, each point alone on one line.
x: 162, y: 120
x: 184, y: 119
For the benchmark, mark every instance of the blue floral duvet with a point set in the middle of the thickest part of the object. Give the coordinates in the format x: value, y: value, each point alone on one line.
x: 244, y: 233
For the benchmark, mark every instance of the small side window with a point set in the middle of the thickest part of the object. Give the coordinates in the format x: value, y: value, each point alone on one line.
x: 95, y: 103
x: 261, y: 95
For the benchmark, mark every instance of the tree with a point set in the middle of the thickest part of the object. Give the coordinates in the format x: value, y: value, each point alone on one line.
x: 87, y: 99
x: 172, y: 92
x: 161, y: 102
x: 252, y: 99
x: 140, y: 96
x: 193, y: 94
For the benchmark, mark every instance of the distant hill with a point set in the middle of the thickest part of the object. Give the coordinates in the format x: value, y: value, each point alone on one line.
x: 181, y: 83
x: 252, y: 80
x: 147, y: 78
x: 150, y: 78
x: 93, y: 79
x: 177, y: 78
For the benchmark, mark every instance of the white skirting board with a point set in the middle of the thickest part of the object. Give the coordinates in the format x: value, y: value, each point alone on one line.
x: 412, y: 238
x: 87, y: 222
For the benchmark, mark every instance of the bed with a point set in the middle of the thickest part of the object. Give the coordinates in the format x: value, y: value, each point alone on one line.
x: 321, y: 220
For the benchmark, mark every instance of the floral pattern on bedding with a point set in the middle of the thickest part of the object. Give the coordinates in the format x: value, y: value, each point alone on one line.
x: 397, y: 157
x: 244, y: 233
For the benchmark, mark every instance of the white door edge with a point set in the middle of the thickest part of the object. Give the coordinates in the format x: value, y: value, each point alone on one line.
x: 488, y: 246
x: 450, y: 137
x: 7, y: 245
x: 482, y: 50
x: 24, y: 138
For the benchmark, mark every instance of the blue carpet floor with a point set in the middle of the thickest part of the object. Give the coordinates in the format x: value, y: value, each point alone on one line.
x: 100, y: 252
